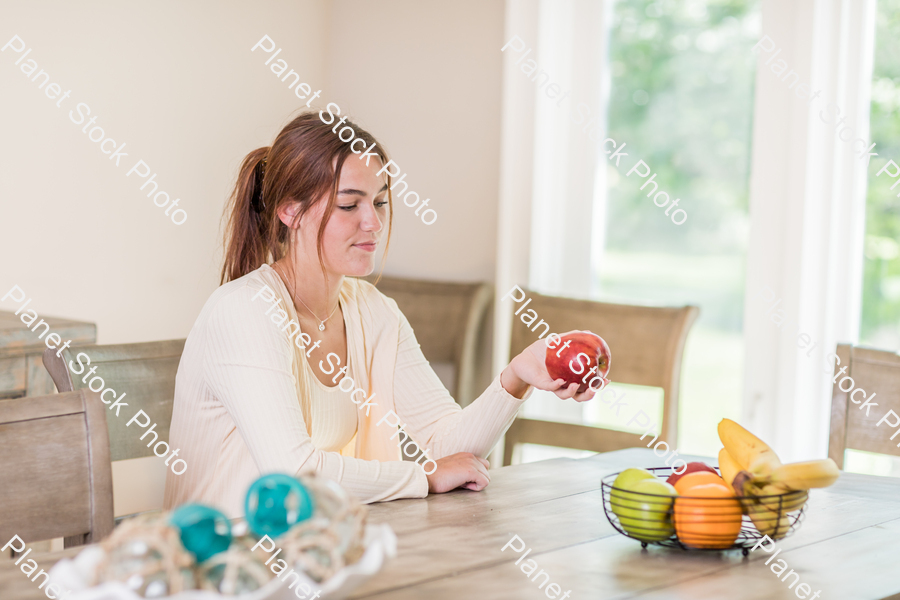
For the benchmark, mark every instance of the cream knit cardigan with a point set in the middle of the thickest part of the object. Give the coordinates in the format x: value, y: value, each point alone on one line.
x: 242, y: 401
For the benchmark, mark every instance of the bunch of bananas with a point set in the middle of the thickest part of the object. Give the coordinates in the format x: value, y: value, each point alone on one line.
x: 768, y: 489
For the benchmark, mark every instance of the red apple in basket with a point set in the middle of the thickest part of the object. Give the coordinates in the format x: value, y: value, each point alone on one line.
x: 581, y: 357
x: 692, y: 467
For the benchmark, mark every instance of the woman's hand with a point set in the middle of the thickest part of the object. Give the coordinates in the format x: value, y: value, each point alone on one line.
x: 529, y: 368
x: 462, y: 469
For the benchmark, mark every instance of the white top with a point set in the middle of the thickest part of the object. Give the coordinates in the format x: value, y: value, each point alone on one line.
x: 333, y: 412
x: 244, y: 403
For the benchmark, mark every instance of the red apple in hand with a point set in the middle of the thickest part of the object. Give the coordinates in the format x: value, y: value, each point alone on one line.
x: 580, y: 357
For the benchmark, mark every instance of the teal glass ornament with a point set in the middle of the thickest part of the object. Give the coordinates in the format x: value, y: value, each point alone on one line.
x: 204, y: 531
x: 275, y: 503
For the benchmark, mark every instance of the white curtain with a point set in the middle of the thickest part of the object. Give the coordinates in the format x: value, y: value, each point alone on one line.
x: 551, y: 138
x: 807, y: 209
x: 516, y: 166
x: 566, y: 229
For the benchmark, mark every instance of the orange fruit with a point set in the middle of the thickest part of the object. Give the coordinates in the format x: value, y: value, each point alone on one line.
x: 683, y: 485
x: 710, y: 517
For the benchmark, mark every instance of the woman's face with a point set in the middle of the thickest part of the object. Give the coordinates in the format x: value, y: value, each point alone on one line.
x: 354, y: 229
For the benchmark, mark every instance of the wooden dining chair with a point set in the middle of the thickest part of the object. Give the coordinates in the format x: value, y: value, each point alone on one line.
x: 21, y: 372
x: 144, y: 371
x: 646, y: 345
x: 55, y: 475
x: 875, y: 372
x: 447, y: 319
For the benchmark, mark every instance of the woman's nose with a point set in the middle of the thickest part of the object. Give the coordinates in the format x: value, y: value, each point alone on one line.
x: 370, y: 220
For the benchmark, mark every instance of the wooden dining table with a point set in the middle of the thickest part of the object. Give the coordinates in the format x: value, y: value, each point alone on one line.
x: 451, y: 545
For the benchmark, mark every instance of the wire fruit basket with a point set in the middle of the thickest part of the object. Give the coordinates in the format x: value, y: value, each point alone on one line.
x: 700, y: 523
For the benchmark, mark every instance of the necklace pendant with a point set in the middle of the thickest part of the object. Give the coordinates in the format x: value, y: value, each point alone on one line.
x: 321, y: 326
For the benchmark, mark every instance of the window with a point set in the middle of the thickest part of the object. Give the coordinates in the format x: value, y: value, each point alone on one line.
x: 881, y: 275
x: 681, y: 97
x: 880, y: 318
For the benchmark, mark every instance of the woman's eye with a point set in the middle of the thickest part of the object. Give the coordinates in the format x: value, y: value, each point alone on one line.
x: 381, y: 203
x: 351, y: 207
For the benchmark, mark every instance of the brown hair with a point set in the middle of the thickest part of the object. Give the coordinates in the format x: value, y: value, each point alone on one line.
x: 298, y: 167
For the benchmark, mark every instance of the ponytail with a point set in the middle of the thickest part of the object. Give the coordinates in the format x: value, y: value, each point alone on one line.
x: 246, y: 244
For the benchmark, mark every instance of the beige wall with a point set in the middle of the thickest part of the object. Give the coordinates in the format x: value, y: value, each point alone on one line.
x: 424, y: 78
x: 177, y: 83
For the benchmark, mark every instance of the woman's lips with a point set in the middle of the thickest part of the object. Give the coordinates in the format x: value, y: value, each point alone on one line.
x: 368, y: 247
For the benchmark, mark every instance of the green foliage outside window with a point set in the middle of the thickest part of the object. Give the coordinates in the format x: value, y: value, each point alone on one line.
x: 681, y: 97
x: 881, y: 270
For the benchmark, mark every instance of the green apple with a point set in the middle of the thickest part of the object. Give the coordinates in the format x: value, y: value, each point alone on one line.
x: 646, y: 513
x: 625, y: 481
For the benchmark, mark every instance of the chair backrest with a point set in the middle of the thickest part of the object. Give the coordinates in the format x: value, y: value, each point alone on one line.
x: 55, y: 474
x: 646, y: 345
x: 447, y: 319
x: 21, y: 373
x: 875, y: 372
x: 145, y: 372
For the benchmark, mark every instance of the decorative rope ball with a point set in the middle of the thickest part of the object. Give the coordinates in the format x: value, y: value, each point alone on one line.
x: 145, y: 553
x: 332, y: 538
x: 318, y: 526
x: 237, y: 571
x: 275, y: 503
x: 204, y: 531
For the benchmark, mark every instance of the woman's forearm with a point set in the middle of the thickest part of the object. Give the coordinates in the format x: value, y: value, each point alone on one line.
x: 435, y: 420
x: 476, y: 428
x: 511, y: 381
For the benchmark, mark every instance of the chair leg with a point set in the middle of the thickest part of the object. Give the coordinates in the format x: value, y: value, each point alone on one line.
x: 507, y: 453
x: 509, y: 442
x: 76, y: 540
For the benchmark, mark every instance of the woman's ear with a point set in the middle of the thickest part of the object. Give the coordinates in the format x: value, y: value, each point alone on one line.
x: 287, y: 213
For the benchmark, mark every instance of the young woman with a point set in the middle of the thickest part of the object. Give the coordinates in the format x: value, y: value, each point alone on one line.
x: 249, y: 400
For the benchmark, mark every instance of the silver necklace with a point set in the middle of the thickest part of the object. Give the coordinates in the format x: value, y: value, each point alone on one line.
x: 321, y: 321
